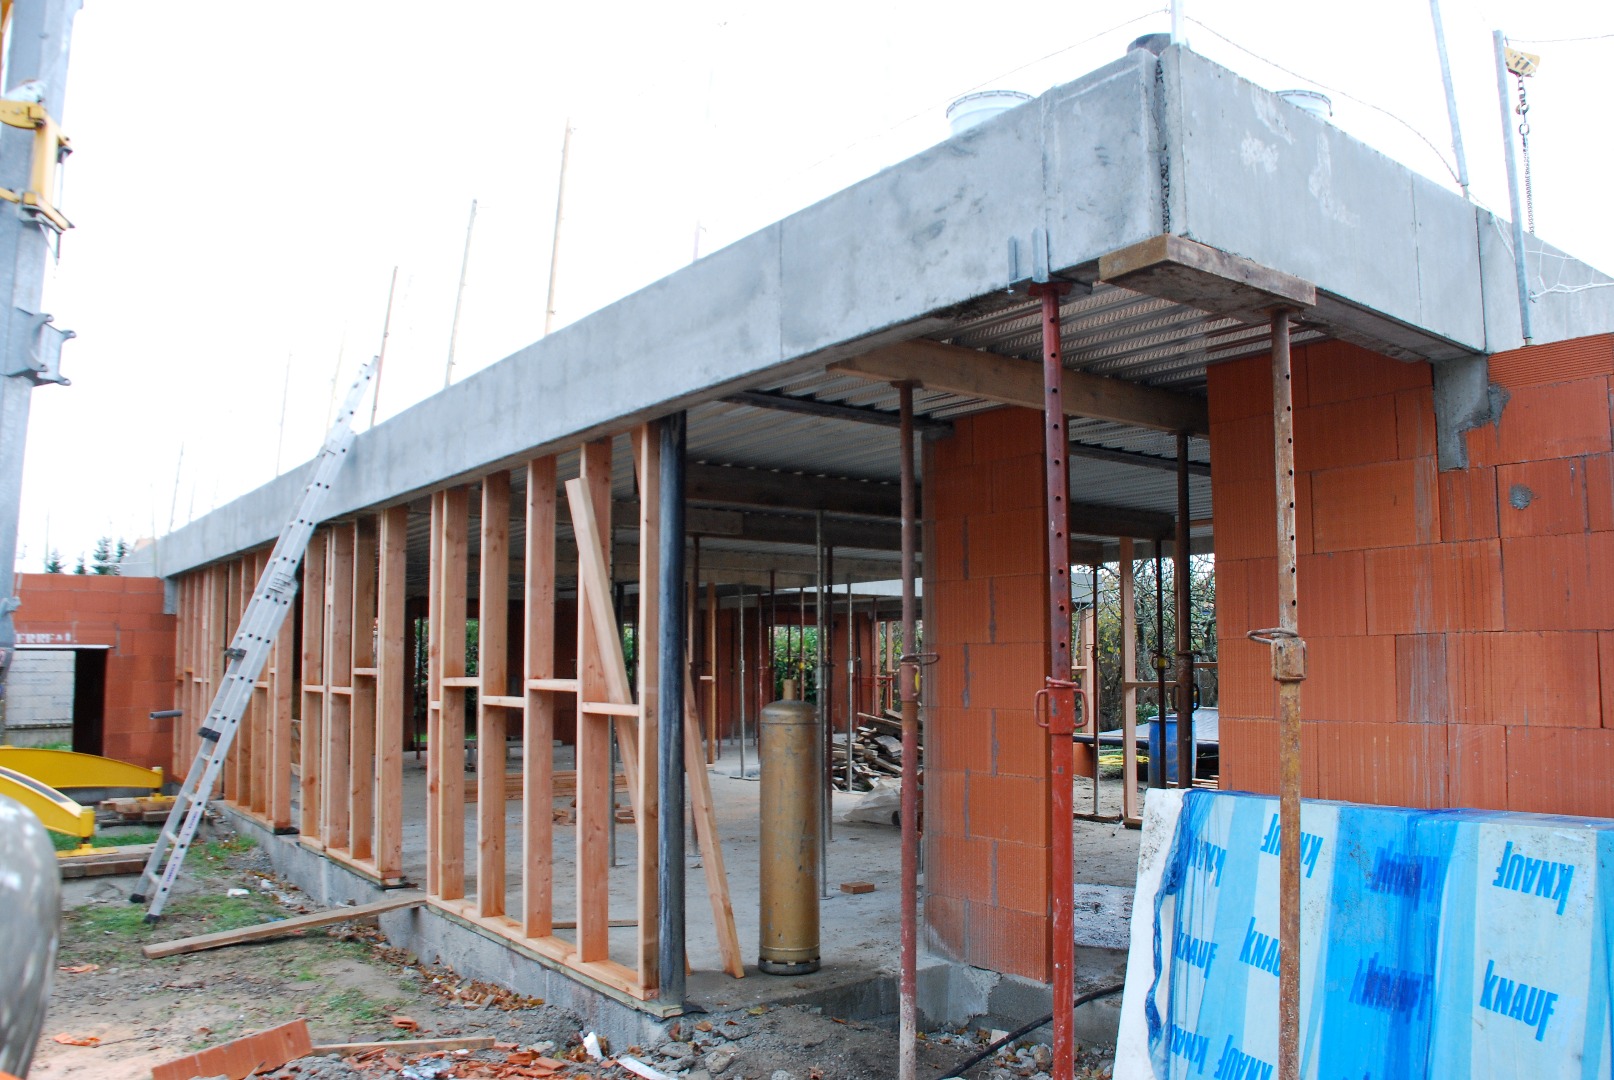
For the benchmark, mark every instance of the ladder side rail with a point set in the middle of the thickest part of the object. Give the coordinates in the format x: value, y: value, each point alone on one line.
x: 249, y: 650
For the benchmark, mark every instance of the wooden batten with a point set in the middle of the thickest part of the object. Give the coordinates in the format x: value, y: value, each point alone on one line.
x: 538, y: 725
x: 492, y: 721
x: 312, y: 733
x: 589, y: 498
x: 446, y: 740
x: 338, y: 762
x: 392, y: 669
x: 647, y: 800
x: 362, y: 745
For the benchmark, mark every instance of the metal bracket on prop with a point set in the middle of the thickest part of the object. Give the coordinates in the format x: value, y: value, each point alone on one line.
x: 1030, y: 263
x: 1288, y: 653
x: 1057, y: 702
x: 34, y: 348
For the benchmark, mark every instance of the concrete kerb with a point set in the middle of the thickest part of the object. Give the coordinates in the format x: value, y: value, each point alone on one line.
x: 438, y: 937
x: 950, y: 993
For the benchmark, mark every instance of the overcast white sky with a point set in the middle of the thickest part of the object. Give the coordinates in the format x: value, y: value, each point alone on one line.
x: 245, y: 177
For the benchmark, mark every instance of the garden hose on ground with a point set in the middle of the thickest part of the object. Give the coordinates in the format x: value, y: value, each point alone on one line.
x: 1024, y: 1029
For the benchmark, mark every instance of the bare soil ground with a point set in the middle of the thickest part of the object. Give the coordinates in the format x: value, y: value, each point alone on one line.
x: 351, y: 985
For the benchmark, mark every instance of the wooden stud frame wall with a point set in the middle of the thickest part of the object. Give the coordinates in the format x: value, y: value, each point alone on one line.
x: 351, y: 792
x: 349, y: 749
x: 611, y: 703
x: 258, y: 774
x: 348, y: 686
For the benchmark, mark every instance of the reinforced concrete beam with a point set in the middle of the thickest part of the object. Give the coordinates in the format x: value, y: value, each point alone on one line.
x: 975, y: 373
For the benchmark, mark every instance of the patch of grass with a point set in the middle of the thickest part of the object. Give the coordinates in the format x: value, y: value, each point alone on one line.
x: 355, y: 1008
x: 210, y: 913
x: 110, y: 838
x: 219, y: 850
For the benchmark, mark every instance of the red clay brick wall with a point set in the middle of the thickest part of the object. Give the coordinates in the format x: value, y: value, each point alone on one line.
x: 1461, y: 624
x: 127, y: 614
x: 986, y: 762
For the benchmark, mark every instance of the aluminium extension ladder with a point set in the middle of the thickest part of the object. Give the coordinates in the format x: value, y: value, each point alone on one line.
x: 260, y: 624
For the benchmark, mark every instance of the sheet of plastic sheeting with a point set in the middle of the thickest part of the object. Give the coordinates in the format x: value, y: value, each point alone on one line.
x: 1433, y: 943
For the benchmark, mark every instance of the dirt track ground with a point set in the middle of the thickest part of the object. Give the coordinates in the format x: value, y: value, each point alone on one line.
x: 350, y: 985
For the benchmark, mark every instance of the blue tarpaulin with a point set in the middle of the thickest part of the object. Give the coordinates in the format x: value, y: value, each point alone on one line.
x: 1434, y: 944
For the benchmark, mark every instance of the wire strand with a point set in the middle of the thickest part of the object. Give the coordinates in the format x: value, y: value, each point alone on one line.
x: 933, y: 106
x: 1439, y: 154
x: 1560, y: 40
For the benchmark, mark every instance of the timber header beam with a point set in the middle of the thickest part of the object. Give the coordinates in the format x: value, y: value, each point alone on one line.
x: 975, y: 373
x: 1180, y: 270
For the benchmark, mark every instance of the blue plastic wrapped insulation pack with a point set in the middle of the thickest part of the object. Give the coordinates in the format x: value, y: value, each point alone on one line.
x: 1434, y: 944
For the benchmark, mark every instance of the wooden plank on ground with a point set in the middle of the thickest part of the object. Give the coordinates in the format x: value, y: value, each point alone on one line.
x: 407, y: 1046
x: 265, y: 931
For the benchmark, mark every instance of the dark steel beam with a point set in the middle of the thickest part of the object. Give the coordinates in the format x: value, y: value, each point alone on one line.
x: 732, y: 485
x: 834, y: 410
x: 1133, y: 457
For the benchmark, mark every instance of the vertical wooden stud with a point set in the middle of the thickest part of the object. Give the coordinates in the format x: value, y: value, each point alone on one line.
x: 338, y: 762
x: 647, y: 648
x: 361, y: 791
x: 392, y: 669
x: 311, y: 735
x: 451, y: 695
x: 538, y: 731
x: 591, y: 497
x: 492, y: 667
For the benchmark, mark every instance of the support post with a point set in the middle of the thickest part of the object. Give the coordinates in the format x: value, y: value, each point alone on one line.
x: 1288, y: 670
x: 1451, y: 97
x: 670, y: 709
x: 1499, y: 45
x: 1059, y: 691
x: 492, y: 720
x: 1130, y: 810
x: 37, y: 45
x: 1181, y: 593
x: 908, y: 679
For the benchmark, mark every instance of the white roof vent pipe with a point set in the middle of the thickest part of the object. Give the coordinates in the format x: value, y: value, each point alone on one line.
x: 975, y: 109
x: 1318, y: 104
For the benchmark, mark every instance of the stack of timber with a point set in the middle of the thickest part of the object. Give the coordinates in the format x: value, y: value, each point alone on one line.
x: 876, y: 752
